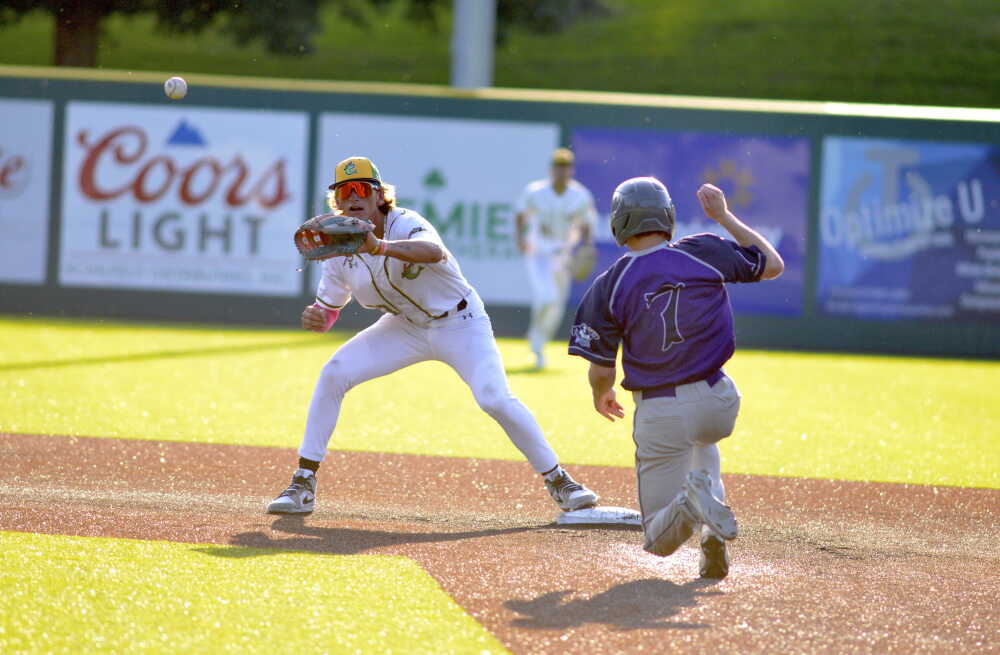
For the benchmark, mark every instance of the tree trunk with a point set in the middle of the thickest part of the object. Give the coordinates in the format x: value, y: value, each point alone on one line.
x: 78, y: 24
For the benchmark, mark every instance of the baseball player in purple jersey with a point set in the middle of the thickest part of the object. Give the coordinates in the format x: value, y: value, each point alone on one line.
x: 666, y: 303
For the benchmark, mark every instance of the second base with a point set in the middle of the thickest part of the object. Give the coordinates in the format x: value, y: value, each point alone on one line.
x: 601, y: 516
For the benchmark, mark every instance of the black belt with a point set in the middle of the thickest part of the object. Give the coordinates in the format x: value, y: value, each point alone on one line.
x: 462, y: 304
x: 670, y: 390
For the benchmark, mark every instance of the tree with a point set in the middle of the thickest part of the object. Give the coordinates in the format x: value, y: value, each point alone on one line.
x: 539, y: 16
x: 285, y: 26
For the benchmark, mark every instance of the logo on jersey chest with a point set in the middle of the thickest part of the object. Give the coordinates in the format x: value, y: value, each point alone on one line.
x: 412, y: 271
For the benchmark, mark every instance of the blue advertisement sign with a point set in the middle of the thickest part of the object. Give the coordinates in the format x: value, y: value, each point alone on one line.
x: 909, y: 230
x: 765, y: 178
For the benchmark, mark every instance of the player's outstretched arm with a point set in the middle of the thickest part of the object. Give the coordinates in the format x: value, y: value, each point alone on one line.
x: 602, y: 383
x: 416, y: 251
x: 713, y: 202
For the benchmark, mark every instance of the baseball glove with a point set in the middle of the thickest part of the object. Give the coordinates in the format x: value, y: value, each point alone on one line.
x: 331, y: 234
x: 582, y: 262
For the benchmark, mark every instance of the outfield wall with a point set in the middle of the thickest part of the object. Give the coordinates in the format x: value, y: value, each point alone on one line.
x: 117, y: 202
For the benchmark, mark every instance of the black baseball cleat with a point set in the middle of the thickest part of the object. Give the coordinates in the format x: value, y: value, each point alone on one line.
x: 299, y: 497
x: 714, y: 557
x: 567, y: 492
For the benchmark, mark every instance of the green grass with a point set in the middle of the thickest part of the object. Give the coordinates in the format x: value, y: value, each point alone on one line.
x: 925, y: 421
x: 87, y: 595
x: 923, y: 52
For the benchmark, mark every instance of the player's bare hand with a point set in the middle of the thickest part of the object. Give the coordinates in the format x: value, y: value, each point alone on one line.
x: 713, y: 202
x: 607, y: 405
x: 314, y: 319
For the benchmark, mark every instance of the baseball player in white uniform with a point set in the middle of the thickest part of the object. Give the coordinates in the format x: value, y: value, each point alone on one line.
x: 430, y: 312
x: 553, y: 215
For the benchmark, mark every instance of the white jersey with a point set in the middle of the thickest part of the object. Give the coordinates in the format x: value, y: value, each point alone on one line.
x: 418, y: 292
x: 552, y: 217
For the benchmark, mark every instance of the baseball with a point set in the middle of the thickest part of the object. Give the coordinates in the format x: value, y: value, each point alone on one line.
x: 175, y: 88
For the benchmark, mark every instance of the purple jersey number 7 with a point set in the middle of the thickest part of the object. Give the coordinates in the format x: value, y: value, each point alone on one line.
x: 671, y: 331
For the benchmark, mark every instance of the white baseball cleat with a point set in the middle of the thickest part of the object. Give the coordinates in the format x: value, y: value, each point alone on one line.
x: 706, y: 508
x: 567, y: 492
x: 299, y: 497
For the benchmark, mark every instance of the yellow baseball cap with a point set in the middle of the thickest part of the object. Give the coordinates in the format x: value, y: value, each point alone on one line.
x: 562, y: 157
x: 359, y: 169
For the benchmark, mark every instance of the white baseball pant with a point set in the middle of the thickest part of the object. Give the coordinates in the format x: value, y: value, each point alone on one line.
x: 464, y: 342
x: 549, y: 276
x: 674, y: 436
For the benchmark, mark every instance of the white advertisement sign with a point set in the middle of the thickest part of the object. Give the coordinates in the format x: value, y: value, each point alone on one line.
x: 462, y: 175
x: 25, y: 165
x: 181, y: 198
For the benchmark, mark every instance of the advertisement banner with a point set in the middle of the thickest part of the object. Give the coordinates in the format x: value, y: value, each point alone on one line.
x: 909, y: 230
x: 765, y: 178
x: 25, y: 183
x: 182, y: 198
x: 464, y: 176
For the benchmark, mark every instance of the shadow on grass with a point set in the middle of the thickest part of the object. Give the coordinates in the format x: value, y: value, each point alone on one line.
x: 578, y: 527
x: 338, y: 541
x: 528, y: 370
x: 636, y: 605
x: 158, y: 354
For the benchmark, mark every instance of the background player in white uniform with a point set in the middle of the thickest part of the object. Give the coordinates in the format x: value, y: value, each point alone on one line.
x: 552, y: 216
x: 430, y: 313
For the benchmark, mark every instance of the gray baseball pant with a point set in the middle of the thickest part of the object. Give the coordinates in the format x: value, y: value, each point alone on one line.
x: 673, y: 436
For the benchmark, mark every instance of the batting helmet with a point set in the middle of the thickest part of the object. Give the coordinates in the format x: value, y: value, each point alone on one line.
x: 640, y: 205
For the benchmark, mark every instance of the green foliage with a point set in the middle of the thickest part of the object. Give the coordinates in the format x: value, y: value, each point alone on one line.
x: 289, y: 26
x: 538, y: 16
x: 283, y: 26
x: 545, y: 17
x: 942, y: 53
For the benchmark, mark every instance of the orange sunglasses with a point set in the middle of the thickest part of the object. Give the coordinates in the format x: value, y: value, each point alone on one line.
x: 363, y: 189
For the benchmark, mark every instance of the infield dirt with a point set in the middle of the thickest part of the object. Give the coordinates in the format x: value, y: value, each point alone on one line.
x: 821, y: 566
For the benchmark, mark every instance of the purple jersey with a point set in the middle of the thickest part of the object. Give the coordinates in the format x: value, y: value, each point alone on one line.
x: 669, y: 306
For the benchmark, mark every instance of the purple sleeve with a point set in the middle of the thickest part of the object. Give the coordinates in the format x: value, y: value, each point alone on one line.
x: 595, y: 334
x: 734, y: 262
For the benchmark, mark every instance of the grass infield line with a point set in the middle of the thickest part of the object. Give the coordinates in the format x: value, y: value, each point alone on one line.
x: 95, y: 595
